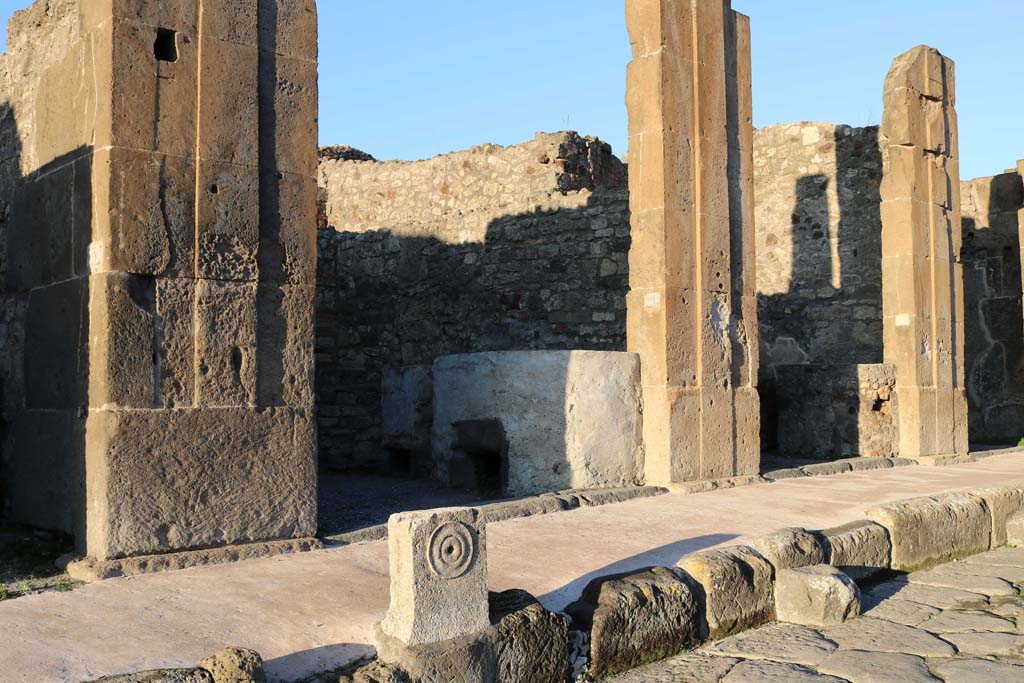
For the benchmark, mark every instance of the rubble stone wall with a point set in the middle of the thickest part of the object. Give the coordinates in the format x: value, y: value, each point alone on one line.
x: 819, y: 263
x: 994, y: 345
x: 489, y: 249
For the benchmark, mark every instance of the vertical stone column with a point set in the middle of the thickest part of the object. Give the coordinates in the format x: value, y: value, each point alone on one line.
x: 922, y: 279
x: 1020, y: 222
x: 200, y: 428
x: 692, y: 312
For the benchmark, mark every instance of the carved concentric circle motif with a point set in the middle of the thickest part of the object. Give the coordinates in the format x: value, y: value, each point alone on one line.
x: 452, y: 550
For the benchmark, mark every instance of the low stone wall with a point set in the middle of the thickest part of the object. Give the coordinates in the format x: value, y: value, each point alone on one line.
x: 538, y: 421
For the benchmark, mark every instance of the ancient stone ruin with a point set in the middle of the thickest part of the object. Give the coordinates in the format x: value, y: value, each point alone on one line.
x: 199, y: 310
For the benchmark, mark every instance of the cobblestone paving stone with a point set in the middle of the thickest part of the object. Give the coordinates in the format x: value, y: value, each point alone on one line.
x: 959, y: 623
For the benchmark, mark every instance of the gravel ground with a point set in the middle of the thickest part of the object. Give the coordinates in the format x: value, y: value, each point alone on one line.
x: 27, y: 562
x: 958, y: 623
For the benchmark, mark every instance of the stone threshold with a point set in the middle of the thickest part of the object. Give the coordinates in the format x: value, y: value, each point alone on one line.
x: 88, y: 570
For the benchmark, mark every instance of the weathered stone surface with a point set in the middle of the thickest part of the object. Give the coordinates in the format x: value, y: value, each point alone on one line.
x: 1015, y: 530
x: 968, y: 621
x: 987, y: 644
x: 155, y: 479
x: 858, y: 666
x: 978, y: 671
x: 695, y: 667
x: 928, y: 531
x: 438, y: 569
x: 789, y: 643
x: 923, y: 298
x: 860, y: 549
x: 1002, y: 503
x: 904, y: 612
x: 950, y: 576
x: 826, y: 469
x: 790, y: 548
x: 1003, y: 557
x: 538, y: 421
x: 775, y: 672
x: 874, y: 635
x: 691, y: 309
x: 161, y: 676
x: 942, y: 598
x: 235, y: 665
x: 815, y: 596
x: 638, y: 618
x: 737, y: 587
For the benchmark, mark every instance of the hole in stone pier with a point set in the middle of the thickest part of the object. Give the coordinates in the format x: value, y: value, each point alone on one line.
x: 166, y: 46
x: 877, y: 405
x: 400, y: 460
x: 214, y: 189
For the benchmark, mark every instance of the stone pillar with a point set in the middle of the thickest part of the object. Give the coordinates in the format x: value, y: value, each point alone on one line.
x: 438, y: 567
x: 692, y: 309
x: 922, y: 279
x: 200, y: 427
x: 1020, y: 222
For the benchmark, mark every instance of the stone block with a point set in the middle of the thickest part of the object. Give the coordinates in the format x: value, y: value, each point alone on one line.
x: 289, y: 33
x: 161, y: 676
x: 233, y: 22
x: 1015, y: 530
x: 235, y: 665
x: 56, y: 346
x: 228, y: 230
x: 225, y: 343
x: 229, y: 117
x: 181, y: 479
x: 791, y: 548
x: 140, y: 116
x: 736, y: 583
x: 1002, y: 503
x: 288, y: 229
x: 816, y: 596
x: 145, y: 213
x: 862, y: 550
x: 438, y: 562
x: 560, y: 419
x: 929, y: 531
x: 638, y: 618
x: 293, y: 108
x: 175, y: 323
x: 122, y: 356
x: 523, y: 643
x: 284, y: 345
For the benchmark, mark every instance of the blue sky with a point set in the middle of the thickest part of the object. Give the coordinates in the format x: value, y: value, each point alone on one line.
x: 409, y: 79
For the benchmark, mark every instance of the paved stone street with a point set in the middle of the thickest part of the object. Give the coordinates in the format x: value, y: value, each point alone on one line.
x: 957, y: 623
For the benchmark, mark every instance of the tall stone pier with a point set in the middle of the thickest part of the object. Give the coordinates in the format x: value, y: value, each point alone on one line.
x: 922, y: 278
x: 182, y: 179
x: 692, y: 311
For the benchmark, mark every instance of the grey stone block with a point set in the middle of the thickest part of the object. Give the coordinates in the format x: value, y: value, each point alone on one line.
x: 1002, y: 503
x: 928, y: 531
x: 737, y: 588
x: 1015, y: 530
x: 860, y: 549
x: 815, y: 596
x: 638, y: 618
x: 790, y: 548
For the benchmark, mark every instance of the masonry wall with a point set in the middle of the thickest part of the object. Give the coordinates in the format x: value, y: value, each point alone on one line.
x: 819, y: 262
x: 994, y: 341
x: 48, y: 115
x: 490, y: 249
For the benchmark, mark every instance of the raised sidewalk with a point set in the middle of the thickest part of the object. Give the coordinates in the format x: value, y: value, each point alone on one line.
x: 314, y: 611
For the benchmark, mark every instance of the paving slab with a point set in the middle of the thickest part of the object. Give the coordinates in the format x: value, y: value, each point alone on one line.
x: 778, y: 642
x: 310, y: 612
x: 978, y: 671
x: 987, y: 644
x: 967, y: 621
x: 775, y: 672
x: 874, y: 635
x: 906, y: 612
x: 859, y: 666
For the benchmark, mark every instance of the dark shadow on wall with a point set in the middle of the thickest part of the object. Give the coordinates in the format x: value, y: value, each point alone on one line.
x: 45, y: 232
x: 814, y: 335
x: 994, y: 322
x: 543, y: 280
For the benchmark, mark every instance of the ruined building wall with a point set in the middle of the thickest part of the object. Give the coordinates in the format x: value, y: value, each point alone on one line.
x: 48, y: 113
x: 490, y: 249
x: 994, y: 344
x: 819, y: 262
